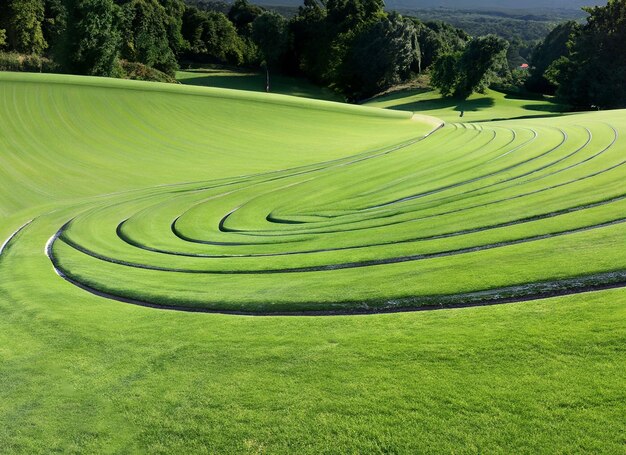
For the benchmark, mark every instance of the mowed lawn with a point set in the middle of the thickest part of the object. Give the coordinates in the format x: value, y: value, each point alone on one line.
x: 191, y: 196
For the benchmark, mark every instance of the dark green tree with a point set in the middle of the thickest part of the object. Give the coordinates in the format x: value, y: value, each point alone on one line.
x: 144, y: 27
x: 312, y: 40
x: 478, y: 64
x: 437, y: 38
x: 242, y: 14
x: 212, y: 37
x: 55, y: 21
x: 594, y: 71
x: 472, y: 70
x: 553, y: 47
x: 22, y: 20
x: 445, y: 73
x: 174, y: 10
x: 90, y: 42
x: 380, y: 55
x: 271, y: 34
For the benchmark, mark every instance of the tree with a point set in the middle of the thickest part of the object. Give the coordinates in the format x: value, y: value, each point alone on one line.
x: 242, y: 14
x: 437, y: 38
x: 145, y: 25
x: 271, y: 35
x: 311, y: 40
x: 90, y: 42
x: 55, y: 18
x: 445, y: 74
x: 478, y: 64
x: 22, y: 20
x: 380, y: 55
x: 174, y: 10
x: 211, y: 37
x: 552, y: 48
x: 593, y: 72
x: 3, y: 37
x: 462, y: 74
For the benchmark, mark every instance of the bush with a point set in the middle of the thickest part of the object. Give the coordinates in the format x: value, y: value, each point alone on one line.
x: 12, y: 61
x: 141, y: 72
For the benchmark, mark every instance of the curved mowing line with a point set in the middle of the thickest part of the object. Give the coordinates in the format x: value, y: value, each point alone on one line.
x: 455, y: 185
x: 536, y: 291
x: 293, y: 227
x: 519, y: 221
x: 266, y: 233
x: 9, y: 239
x: 331, y: 267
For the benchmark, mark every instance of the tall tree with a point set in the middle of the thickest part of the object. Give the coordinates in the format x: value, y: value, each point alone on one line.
x: 380, y: 54
x: 271, y: 34
x: 22, y: 20
x: 311, y: 39
x: 478, y: 64
x: 594, y: 71
x: 445, y: 73
x: 90, y: 42
x: 145, y: 25
x: 242, y: 14
x: 472, y: 70
x: 553, y: 47
x: 211, y: 37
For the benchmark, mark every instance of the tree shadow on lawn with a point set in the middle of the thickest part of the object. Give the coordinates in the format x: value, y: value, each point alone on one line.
x: 398, y: 95
x: 255, y: 82
x: 459, y: 105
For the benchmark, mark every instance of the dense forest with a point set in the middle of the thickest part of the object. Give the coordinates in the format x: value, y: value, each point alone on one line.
x: 352, y: 46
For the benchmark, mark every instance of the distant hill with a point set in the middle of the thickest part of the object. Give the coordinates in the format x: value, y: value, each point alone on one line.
x: 494, y: 4
x: 468, y: 4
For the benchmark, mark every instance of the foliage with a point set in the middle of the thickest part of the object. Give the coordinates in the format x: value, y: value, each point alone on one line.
x: 472, y: 70
x: 55, y: 21
x: 212, y: 37
x: 242, y: 14
x: 145, y: 25
x: 271, y: 34
x: 90, y: 43
x: 553, y: 47
x: 311, y: 40
x: 438, y: 38
x: 22, y: 20
x: 3, y: 37
x: 380, y: 55
x: 141, y: 72
x: 12, y: 61
x: 593, y: 72
x: 445, y: 74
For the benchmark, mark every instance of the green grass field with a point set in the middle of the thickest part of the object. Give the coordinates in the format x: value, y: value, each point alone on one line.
x: 213, y: 200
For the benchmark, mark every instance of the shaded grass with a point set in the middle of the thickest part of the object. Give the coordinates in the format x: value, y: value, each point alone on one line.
x: 254, y: 81
x: 492, y: 105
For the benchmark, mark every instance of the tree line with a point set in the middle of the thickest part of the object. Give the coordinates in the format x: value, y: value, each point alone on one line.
x: 353, y: 46
x: 585, y: 64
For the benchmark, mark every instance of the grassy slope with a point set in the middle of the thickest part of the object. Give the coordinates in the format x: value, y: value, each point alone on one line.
x: 491, y: 105
x: 79, y: 373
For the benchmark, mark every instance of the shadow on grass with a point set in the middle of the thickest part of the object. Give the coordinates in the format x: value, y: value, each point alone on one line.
x: 458, y: 105
x: 255, y: 82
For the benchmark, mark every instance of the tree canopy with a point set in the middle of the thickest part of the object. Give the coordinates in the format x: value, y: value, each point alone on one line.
x: 593, y: 72
x: 464, y: 72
